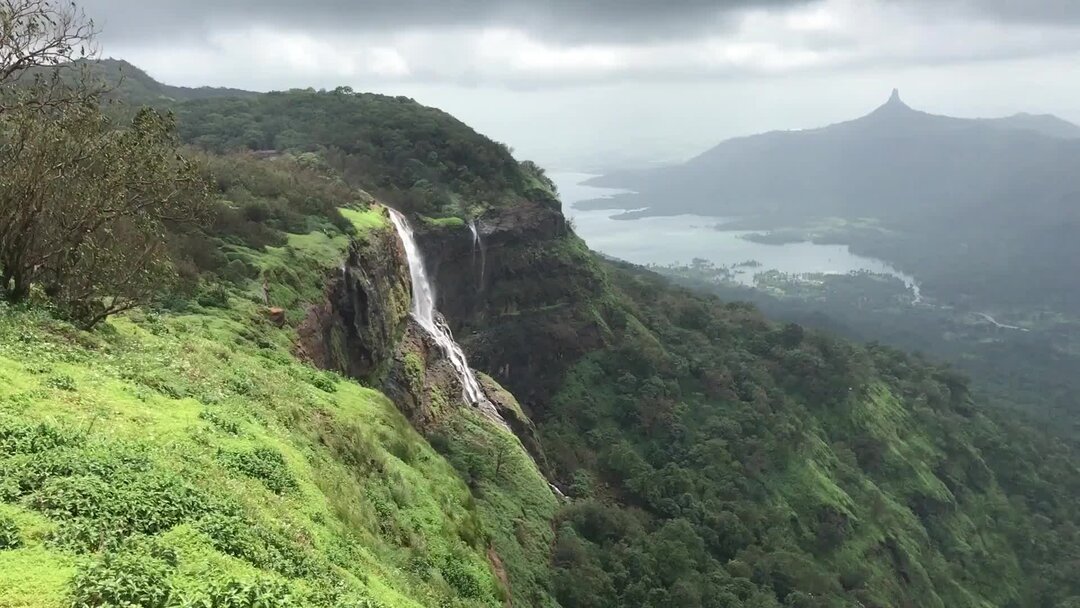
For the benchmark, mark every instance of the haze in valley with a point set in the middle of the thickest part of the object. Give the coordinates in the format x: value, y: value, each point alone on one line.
x: 612, y: 85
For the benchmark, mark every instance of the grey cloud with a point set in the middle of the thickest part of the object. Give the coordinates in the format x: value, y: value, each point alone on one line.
x: 560, y: 20
x: 1049, y: 12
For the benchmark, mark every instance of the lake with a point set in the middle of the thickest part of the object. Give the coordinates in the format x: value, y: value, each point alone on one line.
x: 681, y: 238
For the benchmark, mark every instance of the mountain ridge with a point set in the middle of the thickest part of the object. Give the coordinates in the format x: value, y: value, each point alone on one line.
x: 893, y: 109
x: 135, y: 85
x: 946, y: 188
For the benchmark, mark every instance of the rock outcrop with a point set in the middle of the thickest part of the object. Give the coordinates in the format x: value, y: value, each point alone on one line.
x: 357, y: 328
x: 531, y: 317
x: 538, y: 308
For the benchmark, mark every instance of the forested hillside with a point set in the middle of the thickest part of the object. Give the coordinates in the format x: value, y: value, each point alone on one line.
x: 723, y: 460
x: 238, y: 410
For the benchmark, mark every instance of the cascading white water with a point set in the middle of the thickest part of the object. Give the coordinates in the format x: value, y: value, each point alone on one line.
x: 478, y: 245
x: 423, y: 310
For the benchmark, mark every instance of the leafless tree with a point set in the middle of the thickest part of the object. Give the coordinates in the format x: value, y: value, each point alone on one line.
x: 42, y: 33
x: 84, y: 205
x: 44, y: 45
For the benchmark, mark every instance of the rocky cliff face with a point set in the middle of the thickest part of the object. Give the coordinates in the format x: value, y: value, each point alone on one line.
x: 364, y: 330
x: 357, y: 328
x: 527, y: 306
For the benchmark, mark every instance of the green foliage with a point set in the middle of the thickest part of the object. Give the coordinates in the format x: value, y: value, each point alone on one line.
x: 133, y: 577
x: 140, y: 575
x: 261, y: 593
x: 103, y: 251
x: 734, y: 458
x: 265, y: 464
x: 103, y: 493
x: 200, y: 464
x: 61, y: 381
x: 9, y: 533
x: 188, y: 458
x: 1031, y: 370
x: 514, y: 504
x: 410, y: 156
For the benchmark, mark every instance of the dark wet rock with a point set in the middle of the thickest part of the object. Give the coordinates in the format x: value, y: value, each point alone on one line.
x: 356, y: 329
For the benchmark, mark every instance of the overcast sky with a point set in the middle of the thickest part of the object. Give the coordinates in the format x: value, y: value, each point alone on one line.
x: 578, y: 84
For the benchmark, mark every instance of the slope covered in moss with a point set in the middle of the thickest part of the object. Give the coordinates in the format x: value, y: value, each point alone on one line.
x: 187, y: 456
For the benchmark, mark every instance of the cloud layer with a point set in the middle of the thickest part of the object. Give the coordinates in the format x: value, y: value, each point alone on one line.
x: 542, y: 43
x: 564, y: 20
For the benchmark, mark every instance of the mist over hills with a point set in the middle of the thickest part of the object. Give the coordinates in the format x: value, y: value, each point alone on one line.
x: 977, y: 209
x: 133, y: 85
x: 893, y: 163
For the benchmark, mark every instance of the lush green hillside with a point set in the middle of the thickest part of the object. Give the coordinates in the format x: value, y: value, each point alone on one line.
x: 411, y: 156
x: 718, y: 459
x: 717, y: 455
x: 184, y: 456
x: 1031, y: 365
x: 190, y: 453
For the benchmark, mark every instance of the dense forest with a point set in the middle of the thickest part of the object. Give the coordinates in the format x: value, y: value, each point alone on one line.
x: 409, y: 155
x: 728, y: 461
x: 168, y: 439
x: 1028, y: 368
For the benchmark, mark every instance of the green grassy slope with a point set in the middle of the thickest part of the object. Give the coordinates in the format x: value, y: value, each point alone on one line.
x: 187, y: 456
x: 512, y: 497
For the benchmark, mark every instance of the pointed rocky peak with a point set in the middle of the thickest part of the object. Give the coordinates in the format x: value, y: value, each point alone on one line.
x: 894, y: 102
x: 892, y: 110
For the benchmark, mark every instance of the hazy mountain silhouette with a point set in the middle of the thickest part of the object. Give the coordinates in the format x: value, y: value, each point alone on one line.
x: 979, y: 210
x: 895, y: 163
x: 1045, y: 124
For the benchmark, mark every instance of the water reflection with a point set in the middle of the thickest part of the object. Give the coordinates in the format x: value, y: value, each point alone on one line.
x: 679, y: 239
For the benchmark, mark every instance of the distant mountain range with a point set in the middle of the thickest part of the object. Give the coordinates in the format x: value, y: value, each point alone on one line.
x: 974, y: 205
x: 893, y: 163
x: 1044, y: 124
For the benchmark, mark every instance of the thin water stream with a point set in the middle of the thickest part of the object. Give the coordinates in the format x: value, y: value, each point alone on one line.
x: 423, y: 310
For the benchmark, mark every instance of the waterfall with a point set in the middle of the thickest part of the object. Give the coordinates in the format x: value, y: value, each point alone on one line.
x: 478, y: 245
x: 423, y: 310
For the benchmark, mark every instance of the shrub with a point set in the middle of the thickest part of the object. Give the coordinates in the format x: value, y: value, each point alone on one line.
x: 222, y: 422
x: 258, y: 544
x: 101, y: 511
x: 460, y: 579
x: 265, y: 464
x: 9, y: 534
x: 214, y: 296
x: 260, y: 593
x: 62, y: 382
x: 22, y: 438
x: 136, y: 577
x: 324, y: 381
x: 104, y: 493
